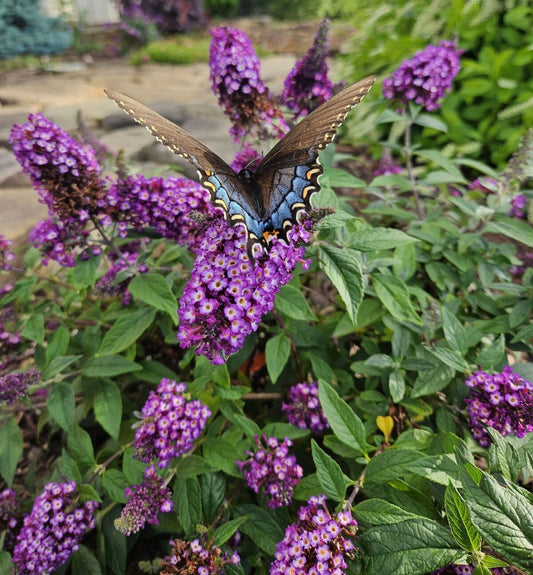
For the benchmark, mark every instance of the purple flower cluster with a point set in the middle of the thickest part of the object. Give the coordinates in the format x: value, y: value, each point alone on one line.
x: 8, y: 509
x: 308, y: 85
x: 303, y: 407
x: 13, y: 386
x: 518, y: 206
x: 226, y: 295
x: 8, y: 339
x: 317, y: 543
x: 235, y: 78
x: 144, y: 502
x: 53, y: 529
x: 426, y: 78
x: 273, y: 470
x: 503, y: 401
x: 387, y: 167
x: 198, y: 556
x: 485, y: 185
x: 163, y: 204
x: 6, y: 256
x: 247, y: 158
x: 170, y: 424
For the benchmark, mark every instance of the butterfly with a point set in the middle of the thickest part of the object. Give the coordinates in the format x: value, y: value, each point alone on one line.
x: 268, y: 200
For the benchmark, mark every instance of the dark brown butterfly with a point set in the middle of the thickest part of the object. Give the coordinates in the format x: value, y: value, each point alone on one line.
x: 269, y: 199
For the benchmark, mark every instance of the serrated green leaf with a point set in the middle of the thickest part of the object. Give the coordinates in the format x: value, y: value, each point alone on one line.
x: 277, y: 352
x: 462, y: 528
x: 126, y: 331
x: 291, y: 302
x: 11, y: 445
x: 372, y: 239
x: 379, y: 512
x: 108, y: 406
x: 226, y: 530
x: 213, y: 494
x: 512, y: 228
x: 412, y: 546
x: 344, y: 271
x: 260, y: 527
x: 329, y: 473
x: 114, y: 483
x: 192, y: 465
x: 395, y: 296
x: 154, y: 290
x: 109, y: 366
x: 345, y: 424
x: 61, y: 405
x: 187, y: 498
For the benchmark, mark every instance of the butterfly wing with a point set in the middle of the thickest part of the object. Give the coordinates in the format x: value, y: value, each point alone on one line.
x: 224, y: 186
x: 288, y: 175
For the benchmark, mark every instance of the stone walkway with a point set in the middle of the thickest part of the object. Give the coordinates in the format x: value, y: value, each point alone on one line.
x: 181, y: 93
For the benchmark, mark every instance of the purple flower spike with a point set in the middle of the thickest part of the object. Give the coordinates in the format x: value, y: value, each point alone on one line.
x: 236, y: 81
x: 53, y: 530
x: 308, y: 85
x: 247, y: 158
x: 6, y: 256
x: 13, y: 386
x: 170, y: 424
x: 503, y: 401
x: 426, y: 78
x: 273, y: 470
x: 518, y: 206
x: 317, y: 543
x: 226, y: 296
x: 144, y: 502
x: 303, y: 407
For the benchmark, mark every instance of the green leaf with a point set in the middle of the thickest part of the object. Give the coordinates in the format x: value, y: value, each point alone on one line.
x: 277, y: 352
x: 191, y: 466
x: 61, y: 405
x: 187, y: 498
x: 493, y: 356
x: 59, y: 364
x: 132, y: 468
x: 344, y: 423
x: 6, y: 565
x: 114, y: 483
x: 126, y: 331
x: 441, y: 161
x: 344, y: 271
x: 11, y: 445
x: 114, y: 543
x: 503, y: 516
x: 80, y: 446
x: 34, y: 328
x: 69, y: 467
x: 57, y: 344
x: 222, y: 454
x: 109, y: 366
x: 226, y: 530
x: 462, y: 528
x: 453, y: 330
x: 213, y: 494
x: 450, y: 358
x: 329, y: 473
x: 84, y: 273
x: 108, y: 406
x: 85, y: 563
x: 336, y: 177
x: 412, y: 546
x: 371, y: 239
x: 440, y: 469
x: 379, y: 512
x: 291, y: 302
x: 391, y: 465
x: 396, y: 385
x: 154, y: 290
x: 260, y: 527
x: 512, y: 228
x: 394, y: 295
x: 431, y: 121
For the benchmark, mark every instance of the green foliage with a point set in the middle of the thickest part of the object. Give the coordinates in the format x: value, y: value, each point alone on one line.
x: 25, y: 30
x: 177, y: 50
x: 491, y: 105
x: 221, y: 8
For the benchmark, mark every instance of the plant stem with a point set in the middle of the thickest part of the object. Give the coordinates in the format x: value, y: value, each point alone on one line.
x: 409, y: 164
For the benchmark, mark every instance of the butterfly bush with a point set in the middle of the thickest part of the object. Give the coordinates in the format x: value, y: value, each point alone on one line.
x: 503, y: 401
x: 235, y: 77
x: 303, y: 409
x: 199, y: 556
x: 6, y: 255
x: 53, y: 530
x: 454, y: 569
x: 271, y: 469
x: 144, y: 502
x: 170, y: 423
x: 227, y: 295
x: 426, y: 78
x: 308, y: 86
x: 13, y: 386
x: 318, y: 543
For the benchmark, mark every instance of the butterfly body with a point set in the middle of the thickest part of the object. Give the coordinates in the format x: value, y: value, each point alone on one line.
x: 269, y: 199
